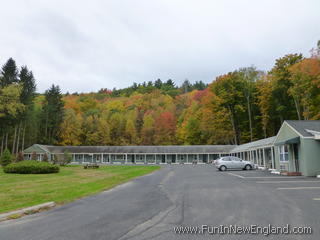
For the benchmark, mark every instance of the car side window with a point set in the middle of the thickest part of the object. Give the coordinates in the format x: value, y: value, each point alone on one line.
x: 235, y: 159
x: 226, y: 159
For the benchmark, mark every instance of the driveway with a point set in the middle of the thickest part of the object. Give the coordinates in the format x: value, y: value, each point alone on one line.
x: 180, y: 195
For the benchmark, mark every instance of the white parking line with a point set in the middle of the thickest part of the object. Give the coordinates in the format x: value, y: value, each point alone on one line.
x: 316, y: 199
x: 298, y: 188
x: 288, y: 181
x: 239, y: 176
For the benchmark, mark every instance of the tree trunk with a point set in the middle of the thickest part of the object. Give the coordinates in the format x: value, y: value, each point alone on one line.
x: 18, y: 139
x: 249, y: 115
x: 23, y: 136
x: 236, y: 140
x: 46, y: 127
x: 297, y: 108
x: 14, y: 139
x: 6, y: 140
x: 265, y: 132
x: 2, y: 143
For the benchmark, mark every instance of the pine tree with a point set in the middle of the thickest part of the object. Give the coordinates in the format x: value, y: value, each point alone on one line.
x: 9, y: 73
x: 52, y: 115
x: 6, y: 158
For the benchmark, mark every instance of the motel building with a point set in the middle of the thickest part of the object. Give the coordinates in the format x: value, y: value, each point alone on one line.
x: 295, y: 150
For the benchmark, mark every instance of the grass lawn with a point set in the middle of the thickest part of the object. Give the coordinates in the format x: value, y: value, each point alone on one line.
x: 72, y: 182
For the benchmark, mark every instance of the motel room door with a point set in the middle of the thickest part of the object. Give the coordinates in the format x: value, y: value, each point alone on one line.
x: 296, y: 157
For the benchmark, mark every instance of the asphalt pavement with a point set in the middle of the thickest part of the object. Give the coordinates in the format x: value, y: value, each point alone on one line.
x: 157, y: 205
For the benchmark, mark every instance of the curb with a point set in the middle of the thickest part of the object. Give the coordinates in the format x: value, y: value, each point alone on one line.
x: 6, y: 216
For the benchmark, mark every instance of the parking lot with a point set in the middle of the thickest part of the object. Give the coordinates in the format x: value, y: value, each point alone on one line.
x: 151, y: 207
x: 307, y: 187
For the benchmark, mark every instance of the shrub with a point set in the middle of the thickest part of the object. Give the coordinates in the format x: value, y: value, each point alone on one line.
x: 65, y: 159
x: 34, y: 156
x: 6, y: 158
x: 20, y: 157
x: 45, y: 158
x: 31, y: 167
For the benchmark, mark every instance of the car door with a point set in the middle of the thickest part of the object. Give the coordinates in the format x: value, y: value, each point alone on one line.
x: 227, y: 161
x: 236, y: 163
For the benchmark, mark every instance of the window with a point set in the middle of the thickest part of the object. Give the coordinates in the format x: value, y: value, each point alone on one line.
x: 284, y: 153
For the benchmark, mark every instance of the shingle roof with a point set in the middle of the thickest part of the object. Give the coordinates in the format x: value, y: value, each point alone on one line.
x: 256, y: 144
x: 140, y: 149
x: 302, y: 125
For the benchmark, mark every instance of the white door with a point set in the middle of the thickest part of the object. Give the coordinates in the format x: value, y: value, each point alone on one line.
x: 237, y: 163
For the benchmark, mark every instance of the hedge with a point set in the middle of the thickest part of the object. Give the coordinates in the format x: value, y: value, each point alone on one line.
x: 31, y: 167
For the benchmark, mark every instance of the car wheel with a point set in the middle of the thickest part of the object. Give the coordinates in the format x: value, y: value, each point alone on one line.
x: 223, y: 168
x: 247, y: 167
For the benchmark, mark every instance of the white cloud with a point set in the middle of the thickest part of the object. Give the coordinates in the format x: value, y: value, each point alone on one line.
x: 87, y: 45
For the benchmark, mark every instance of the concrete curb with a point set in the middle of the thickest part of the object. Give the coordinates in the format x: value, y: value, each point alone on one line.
x: 4, y: 216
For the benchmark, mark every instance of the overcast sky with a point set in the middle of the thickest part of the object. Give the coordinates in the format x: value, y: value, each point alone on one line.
x: 87, y: 45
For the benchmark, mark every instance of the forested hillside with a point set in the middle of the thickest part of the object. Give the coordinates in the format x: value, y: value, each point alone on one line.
x: 240, y: 106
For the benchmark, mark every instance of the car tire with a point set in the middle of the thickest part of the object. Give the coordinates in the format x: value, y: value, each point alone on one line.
x: 248, y: 167
x: 223, y: 168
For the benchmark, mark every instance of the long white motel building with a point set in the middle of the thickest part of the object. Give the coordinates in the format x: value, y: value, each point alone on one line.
x: 296, y: 148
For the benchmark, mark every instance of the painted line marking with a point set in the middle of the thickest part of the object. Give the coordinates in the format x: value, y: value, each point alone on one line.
x: 298, y: 188
x: 316, y: 199
x: 287, y: 181
x: 236, y: 175
x: 239, y: 176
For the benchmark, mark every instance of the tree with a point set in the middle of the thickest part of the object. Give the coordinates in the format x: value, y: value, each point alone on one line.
x: 199, y: 85
x: 10, y: 105
x: 70, y: 129
x: 193, y: 131
x: 165, y: 129
x: 130, y: 132
x: 284, y: 103
x: 20, y: 157
x: 103, y: 131
x: 67, y: 158
x: 264, y: 100
x: 158, y: 83
x: 305, y: 79
x: 34, y: 156
x: 186, y: 86
x: 9, y: 73
x: 249, y: 76
x: 148, y: 130
x: 229, y: 90
x: 6, y: 158
x: 45, y: 158
x: 28, y: 84
x: 10, y: 108
x: 52, y: 115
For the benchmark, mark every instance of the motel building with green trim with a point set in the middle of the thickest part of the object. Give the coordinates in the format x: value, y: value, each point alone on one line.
x: 295, y: 149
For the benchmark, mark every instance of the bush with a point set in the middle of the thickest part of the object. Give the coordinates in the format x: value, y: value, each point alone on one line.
x: 67, y: 158
x: 45, y: 158
x: 34, y: 156
x: 6, y: 158
x: 20, y: 157
x: 31, y: 167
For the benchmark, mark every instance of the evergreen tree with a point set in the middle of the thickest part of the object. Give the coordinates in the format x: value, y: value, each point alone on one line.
x: 6, y: 158
x: 9, y: 73
x: 158, y: 83
x: 52, y: 115
x: 186, y: 86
